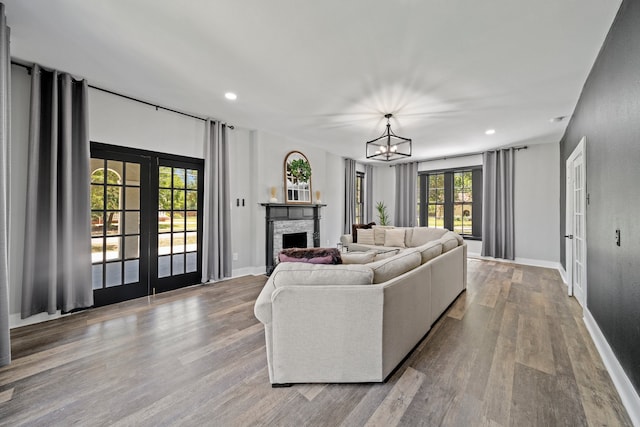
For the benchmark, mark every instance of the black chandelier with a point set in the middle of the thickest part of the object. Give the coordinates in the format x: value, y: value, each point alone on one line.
x: 388, y: 146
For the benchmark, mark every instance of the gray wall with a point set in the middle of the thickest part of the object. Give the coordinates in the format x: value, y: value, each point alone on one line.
x: 608, y: 115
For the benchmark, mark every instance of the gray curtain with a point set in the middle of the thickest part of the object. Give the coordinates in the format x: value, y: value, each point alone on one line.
x: 57, y: 254
x: 497, y: 204
x: 5, y: 136
x: 368, y: 195
x: 406, y: 179
x: 216, y: 245
x: 349, y: 194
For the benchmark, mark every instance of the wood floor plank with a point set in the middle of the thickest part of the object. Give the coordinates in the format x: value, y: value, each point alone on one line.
x: 498, y: 392
x: 6, y: 395
x: 600, y: 400
x: 393, y: 406
x: 512, y: 350
x: 533, y: 346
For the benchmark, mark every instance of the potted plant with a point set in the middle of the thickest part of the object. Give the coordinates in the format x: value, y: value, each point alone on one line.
x: 383, y: 216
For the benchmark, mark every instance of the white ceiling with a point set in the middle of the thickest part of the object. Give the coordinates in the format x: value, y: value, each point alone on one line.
x: 325, y: 72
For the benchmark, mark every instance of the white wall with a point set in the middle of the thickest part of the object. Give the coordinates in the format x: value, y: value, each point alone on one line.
x: 268, y: 152
x: 119, y: 121
x: 384, y: 190
x: 537, y: 204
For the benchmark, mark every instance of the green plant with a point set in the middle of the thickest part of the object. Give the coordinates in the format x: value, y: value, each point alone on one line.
x: 383, y: 216
x: 300, y: 169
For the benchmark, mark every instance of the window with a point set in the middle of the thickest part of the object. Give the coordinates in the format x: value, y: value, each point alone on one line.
x: 452, y: 199
x: 359, y: 197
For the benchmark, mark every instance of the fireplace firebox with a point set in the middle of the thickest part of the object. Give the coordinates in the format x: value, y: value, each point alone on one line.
x: 294, y: 240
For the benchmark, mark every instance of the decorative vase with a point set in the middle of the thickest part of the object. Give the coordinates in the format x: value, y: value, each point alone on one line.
x: 273, y: 198
x: 318, y: 197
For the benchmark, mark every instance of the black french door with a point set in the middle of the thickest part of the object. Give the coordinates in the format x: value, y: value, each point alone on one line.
x: 176, y: 258
x: 146, y: 222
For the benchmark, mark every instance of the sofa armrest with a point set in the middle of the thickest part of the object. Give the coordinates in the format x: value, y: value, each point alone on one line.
x: 327, y: 333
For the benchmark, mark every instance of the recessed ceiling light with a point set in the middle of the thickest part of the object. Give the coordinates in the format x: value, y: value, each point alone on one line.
x: 490, y: 131
x: 231, y: 96
x: 557, y: 119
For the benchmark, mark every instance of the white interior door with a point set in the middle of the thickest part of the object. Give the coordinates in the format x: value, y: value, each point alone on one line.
x: 575, y: 224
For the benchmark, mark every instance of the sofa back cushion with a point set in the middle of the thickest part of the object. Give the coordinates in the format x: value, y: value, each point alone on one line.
x: 430, y: 250
x: 297, y: 273
x: 422, y: 235
x: 389, y: 268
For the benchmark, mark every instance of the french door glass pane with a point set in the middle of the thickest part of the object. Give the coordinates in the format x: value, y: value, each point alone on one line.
x: 177, y: 220
x: 115, y: 222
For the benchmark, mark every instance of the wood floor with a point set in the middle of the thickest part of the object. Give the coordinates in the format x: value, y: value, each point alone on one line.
x: 511, y: 351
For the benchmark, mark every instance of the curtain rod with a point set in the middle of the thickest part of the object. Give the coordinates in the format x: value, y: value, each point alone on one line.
x: 158, y: 107
x: 455, y: 156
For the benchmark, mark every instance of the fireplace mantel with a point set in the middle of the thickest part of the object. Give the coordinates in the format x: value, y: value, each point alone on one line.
x: 289, y: 212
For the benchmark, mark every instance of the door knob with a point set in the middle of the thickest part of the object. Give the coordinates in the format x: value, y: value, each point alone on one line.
x: 569, y: 236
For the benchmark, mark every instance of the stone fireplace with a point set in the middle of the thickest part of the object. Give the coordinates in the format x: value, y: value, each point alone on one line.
x: 286, y: 219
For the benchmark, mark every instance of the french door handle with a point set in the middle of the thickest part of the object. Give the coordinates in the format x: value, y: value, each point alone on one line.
x: 569, y: 236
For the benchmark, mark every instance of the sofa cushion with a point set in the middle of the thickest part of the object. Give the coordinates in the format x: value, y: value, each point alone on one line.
x: 408, y: 236
x: 379, y: 233
x: 394, y: 238
x: 449, y: 241
x: 389, y: 268
x: 430, y: 250
x: 355, y: 227
x: 422, y: 235
x: 365, y: 236
x: 386, y: 254
x: 297, y: 273
x: 358, y: 257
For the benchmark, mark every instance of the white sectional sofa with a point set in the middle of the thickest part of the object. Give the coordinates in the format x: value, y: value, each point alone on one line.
x: 356, y: 322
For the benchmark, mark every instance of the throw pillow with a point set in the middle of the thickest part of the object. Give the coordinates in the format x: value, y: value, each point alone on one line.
x: 365, y: 236
x: 394, y: 238
x: 355, y: 227
x: 358, y: 257
x: 378, y: 233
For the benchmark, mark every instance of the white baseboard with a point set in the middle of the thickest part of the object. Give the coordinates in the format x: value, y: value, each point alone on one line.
x: 15, y: 320
x: 627, y: 392
x: 563, y: 274
x: 249, y: 271
x: 524, y: 261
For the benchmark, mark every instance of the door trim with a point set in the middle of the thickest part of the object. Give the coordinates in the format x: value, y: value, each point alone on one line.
x: 580, y: 150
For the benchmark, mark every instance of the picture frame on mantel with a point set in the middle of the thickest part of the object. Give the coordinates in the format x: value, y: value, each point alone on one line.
x: 297, y: 178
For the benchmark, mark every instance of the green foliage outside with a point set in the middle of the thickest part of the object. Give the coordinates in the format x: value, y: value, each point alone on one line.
x: 98, y: 193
